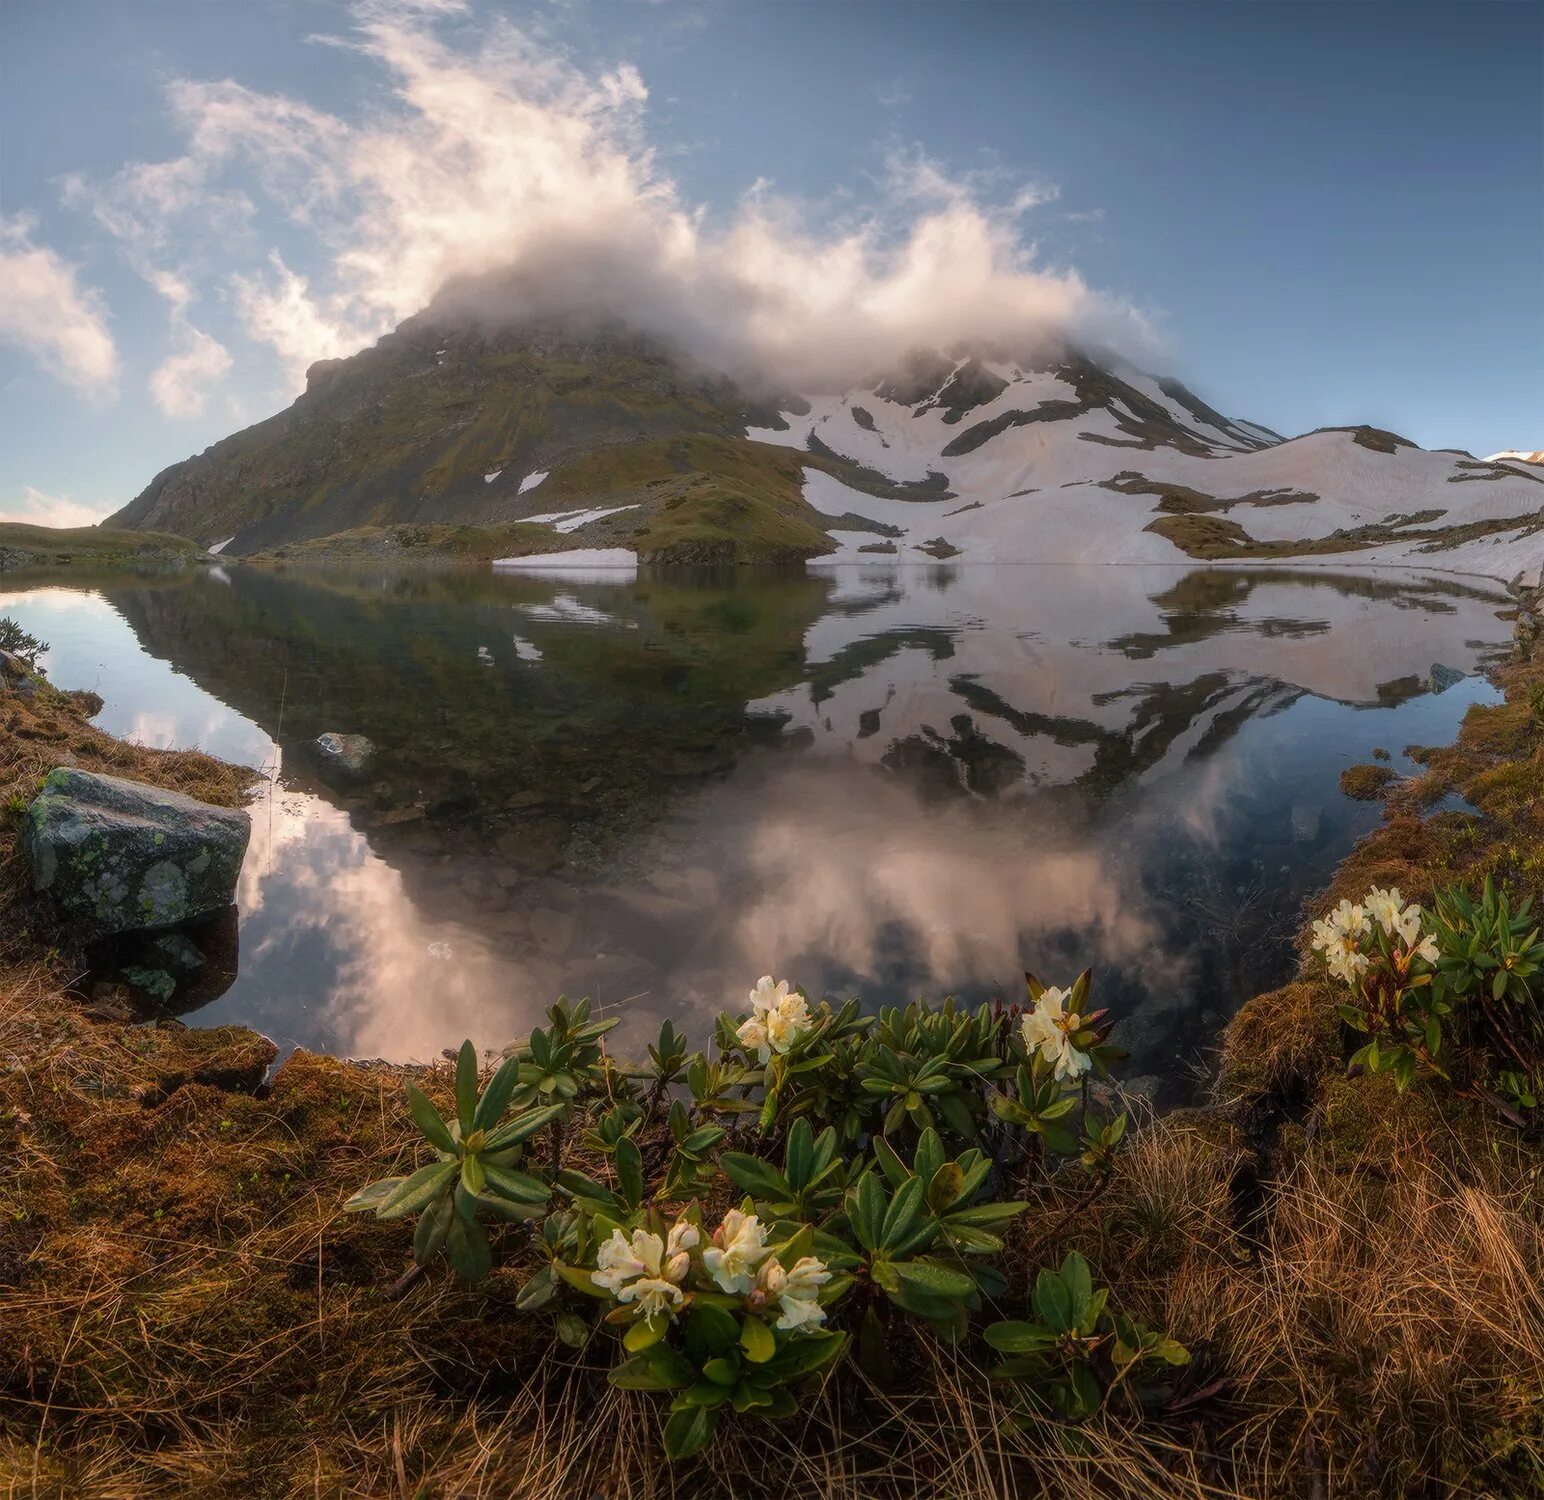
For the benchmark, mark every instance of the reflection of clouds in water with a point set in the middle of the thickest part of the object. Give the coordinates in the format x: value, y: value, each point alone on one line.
x: 400, y: 984
x: 841, y: 863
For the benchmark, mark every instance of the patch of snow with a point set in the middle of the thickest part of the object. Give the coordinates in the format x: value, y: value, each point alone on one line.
x: 571, y: 520
x: 485, y: 656
x: 606, y: 560
x: 219, y: 547
x: 532, y: 480
x: 489, y: 478
x: 524, y: 650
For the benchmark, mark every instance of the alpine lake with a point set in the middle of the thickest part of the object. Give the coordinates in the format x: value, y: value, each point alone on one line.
x: 884, y: 781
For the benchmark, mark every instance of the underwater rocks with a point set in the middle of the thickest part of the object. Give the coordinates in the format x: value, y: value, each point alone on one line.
x: 345, y: 754
x: 119, y: 856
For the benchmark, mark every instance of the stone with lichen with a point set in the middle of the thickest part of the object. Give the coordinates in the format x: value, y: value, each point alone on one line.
x: 120, y: 856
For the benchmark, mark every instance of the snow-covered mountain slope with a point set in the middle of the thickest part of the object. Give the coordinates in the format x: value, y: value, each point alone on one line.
x: 1078, y: 463
x: 578, y: 443
x: 1517, y: 455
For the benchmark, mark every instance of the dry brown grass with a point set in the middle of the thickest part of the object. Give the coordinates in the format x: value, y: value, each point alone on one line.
x: 184, y: 1310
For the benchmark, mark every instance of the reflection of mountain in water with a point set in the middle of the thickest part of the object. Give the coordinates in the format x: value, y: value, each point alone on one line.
x: 654, y: 791
x: 545, y: 719
x: 1001, y: 679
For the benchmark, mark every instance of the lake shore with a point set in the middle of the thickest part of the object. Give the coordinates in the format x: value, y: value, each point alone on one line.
x: 184, y: 1307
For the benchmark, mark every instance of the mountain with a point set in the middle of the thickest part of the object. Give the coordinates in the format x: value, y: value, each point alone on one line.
x: 1517, y: 456
x: 600, y: 444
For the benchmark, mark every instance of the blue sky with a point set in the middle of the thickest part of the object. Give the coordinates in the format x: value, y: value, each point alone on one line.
x: 1314, y: 214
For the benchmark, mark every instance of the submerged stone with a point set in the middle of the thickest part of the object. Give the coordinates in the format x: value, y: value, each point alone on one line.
x: 120, y: 856
x: 348, y: 753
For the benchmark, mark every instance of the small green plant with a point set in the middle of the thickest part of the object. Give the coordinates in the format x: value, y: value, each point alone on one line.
x: 476, y: 1170
x: 810, y: 1184
x: 692, y: 1163
x: 563, y: 1060
x: 19, y: 642
x: 1077, y: 1351
x: 1464, y: 971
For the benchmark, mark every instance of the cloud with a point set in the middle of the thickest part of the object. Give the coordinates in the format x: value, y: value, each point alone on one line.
x: 39, y: 509
x: 181, y: 384
x: 499, y: 179
x: 46, y: 311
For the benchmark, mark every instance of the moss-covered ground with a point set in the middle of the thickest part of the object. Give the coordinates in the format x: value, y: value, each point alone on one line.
x: 184, y: 1310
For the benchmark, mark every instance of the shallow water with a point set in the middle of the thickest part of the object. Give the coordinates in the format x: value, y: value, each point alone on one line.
x: 881, y: 780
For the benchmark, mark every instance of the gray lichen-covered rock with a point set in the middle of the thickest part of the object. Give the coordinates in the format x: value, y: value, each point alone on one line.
x: 121, y: 856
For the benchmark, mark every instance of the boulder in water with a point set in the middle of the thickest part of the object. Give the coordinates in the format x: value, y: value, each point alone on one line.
x: 347, y: 754
x: 119, y: 856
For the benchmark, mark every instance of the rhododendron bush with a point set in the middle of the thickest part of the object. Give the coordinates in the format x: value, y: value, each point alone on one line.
x: 820, y: 1184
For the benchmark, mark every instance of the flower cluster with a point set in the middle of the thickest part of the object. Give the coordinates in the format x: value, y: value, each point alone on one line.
x: 1050, y: 1028
x: 1388, y: 910
x: 740, y: 1263
x: 646, y: 1269
x: 779, y: 1017
x: 1339, y: 935
x: 651, y: 1272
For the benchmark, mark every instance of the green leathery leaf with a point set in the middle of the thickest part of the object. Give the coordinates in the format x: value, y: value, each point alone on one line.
x: 466, y: 1245
x: 433, y: 1226
x: 428, y: 1119
x: 757, y: 1340
x: 688, y: 1431
x: 495, y: 1098
x: 415, y: 1192
x: 466, y: 1086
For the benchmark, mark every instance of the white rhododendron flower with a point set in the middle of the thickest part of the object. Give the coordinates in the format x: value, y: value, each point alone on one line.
x: 1384, y: 907
x: 739, y: 1246
x: 1048, y: 1030
x: 1387, y: 908
x: 1345, y: 963
x: 646, y: 1269
x: 796, y: 1291
x: 1427, y: 949
x: 1337, y: 936
x: 779, y: 1017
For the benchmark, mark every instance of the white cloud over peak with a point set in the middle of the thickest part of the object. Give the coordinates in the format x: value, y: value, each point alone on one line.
x: 45, y: 310
x: 40, y: 509
x: 495, y: 173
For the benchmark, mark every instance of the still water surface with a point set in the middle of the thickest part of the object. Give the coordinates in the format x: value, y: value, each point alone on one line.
x: 877, y: 780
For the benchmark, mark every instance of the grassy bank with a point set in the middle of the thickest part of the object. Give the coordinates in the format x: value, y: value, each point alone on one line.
x: 24, y: 546
x: 184, y: 1308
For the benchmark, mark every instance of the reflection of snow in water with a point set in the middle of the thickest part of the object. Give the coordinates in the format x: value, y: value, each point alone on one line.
x: 567, y: 610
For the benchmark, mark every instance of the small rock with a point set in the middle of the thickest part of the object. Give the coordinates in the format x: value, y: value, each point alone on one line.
x: 119, y: 856
x: 1442, y: 678
x: 1306, y: 817
x: 349, y: 754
